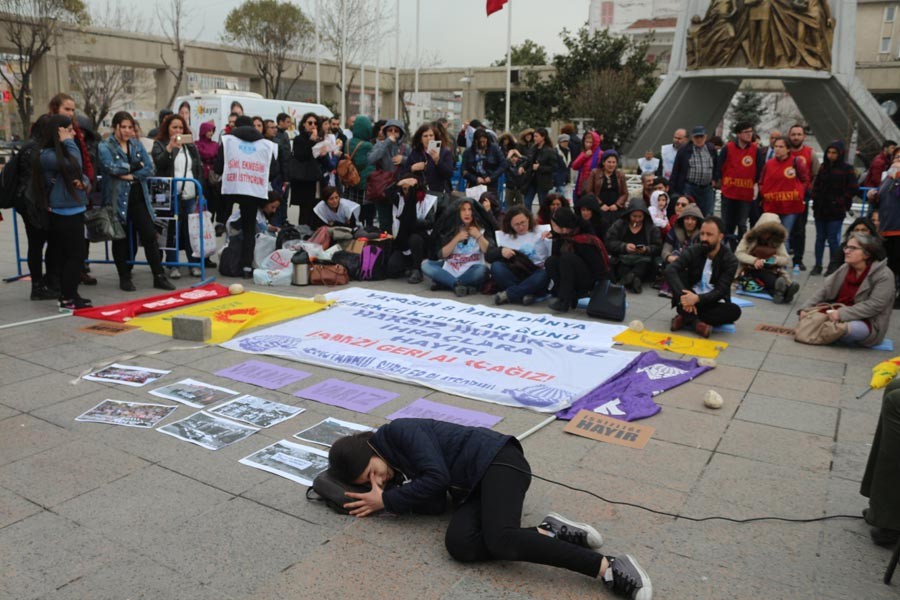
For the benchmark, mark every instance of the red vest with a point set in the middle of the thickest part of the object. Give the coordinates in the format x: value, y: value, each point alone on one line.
x: 739, y: 172
x: 805, y: 152
x: 782, y: 191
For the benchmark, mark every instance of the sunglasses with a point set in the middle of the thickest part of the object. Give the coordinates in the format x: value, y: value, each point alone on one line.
x: 311, y: 123
x: 682, y: 204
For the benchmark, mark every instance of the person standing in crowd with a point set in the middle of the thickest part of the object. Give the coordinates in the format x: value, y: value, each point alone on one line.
x: 359, y: 149
x: 237, y: 108
x: 634, y: 243
x: 764, y: 260
x: 562, y: 177
x: 250, y: 193
x: 433, y: 161
x: 880, y: 164
x: 587, y: 161
x: 59, y: 185
x: 306, y: 171
x: 799, y: 150
x: 270, y: 129
x: 286, y: 169
x: 260, y: 124
x: 696, y: 171
x: 574, y: 140
x: 607, y: 182
x: 833, y: 190
x: 33, y: 211
x: 700, y: 280
x: 388, y: 154
x: 517, y: 263
x: 648, y: 164
x: 184, y: 111
x: 464, y: 236
x: 507, y: 143
x: 770, y: 149
x: 741, y: 163
x: 517, y: 178
x: 783, y: 185
x: 668, y: 153
x: 578, y: 261
x: 173, y: 158
x: 126, y: 167
x: 541, y: 163
x: 483, y: 163
x: 212, y: 185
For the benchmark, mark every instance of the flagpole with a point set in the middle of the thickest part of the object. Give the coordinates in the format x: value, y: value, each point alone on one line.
x: 344, y: 60
x: 362, y: 83
x: 418, y: 62
x: 318, y: 59
x: 397, y: 60
x: 508, y: 59
x: 377, y: 68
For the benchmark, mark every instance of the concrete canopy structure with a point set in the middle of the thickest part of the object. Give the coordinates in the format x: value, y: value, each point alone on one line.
x: 834, y: 103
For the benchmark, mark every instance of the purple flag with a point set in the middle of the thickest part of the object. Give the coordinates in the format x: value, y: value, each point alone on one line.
x: 628, y: 395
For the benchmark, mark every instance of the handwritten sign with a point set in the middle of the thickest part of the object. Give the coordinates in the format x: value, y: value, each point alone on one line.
x: 606, y: 429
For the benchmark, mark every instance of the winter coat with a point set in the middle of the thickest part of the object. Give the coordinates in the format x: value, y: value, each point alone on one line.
x: 493, y: 164
x: 834, y: 187
x: 304, y: 166
x: 362, y: 133
x: 25, y: 203
x: 595, y: 180
x: 586, y: 251
x: 58, y: 194
x: 677, y: 238
x: 687, y: 271
x: 765, y: 239
x: 563, y: 173
x: 615, y: 237
x: 437, y: 175
x: 437, y: 458
x: 590, y: 202
x: 384, y: 151
x: 545, y: 158
x: 682, y: 165
x: 285, y: 160
x: 515, y: 181
x: 165, y: 162
x: 208, y: 149
x: 114, y: 161
x: 873, y: 302
x: 585, y: 163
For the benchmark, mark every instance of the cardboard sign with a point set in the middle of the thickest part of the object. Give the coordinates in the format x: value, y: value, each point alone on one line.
x: 776, y: 329
x: 606, y: 429
x: 108, y: 328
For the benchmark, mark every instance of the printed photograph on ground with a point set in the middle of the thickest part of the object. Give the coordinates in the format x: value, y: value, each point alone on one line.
x: 295, y: 462
x: 193, y: 393
x: 129, y: 414
x: 257, y: 411
x: 208, y: 431
x: 126, y: 375
x: 329, y: 430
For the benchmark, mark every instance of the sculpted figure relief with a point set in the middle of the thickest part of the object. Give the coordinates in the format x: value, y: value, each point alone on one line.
x: 762, y: 34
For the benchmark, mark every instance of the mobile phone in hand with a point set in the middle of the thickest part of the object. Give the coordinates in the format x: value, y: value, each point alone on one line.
x: 434, y: 145
x: 185, y: 138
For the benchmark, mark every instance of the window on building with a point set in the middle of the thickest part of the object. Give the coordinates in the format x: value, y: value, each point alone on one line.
x: 889, y: 12
x: 607, y: 10
x: 885, y: 45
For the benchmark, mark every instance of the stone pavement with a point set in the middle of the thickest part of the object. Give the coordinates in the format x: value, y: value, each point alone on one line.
x: 104, y: 512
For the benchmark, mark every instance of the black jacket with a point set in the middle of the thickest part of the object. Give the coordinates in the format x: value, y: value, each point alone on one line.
x: 546, y: 159
x: 165, y: 162
x: 615, y: 237
x: 493, y: 164
x: 682, y: 165
x: 303, y: 166
x: 590, y: 254
x: 436, y: 457
x: 687, y: 270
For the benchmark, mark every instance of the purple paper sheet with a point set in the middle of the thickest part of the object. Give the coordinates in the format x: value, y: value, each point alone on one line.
x: 263, y: 374
x: 425, y: 409
x: 359, y: 398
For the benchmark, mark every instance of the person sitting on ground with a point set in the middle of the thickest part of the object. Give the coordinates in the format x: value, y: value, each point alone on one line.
x: 486, y: 475
x: 879, y: 483
x: 659, y: 202
x: 415, y: 212
x: 332, y: 210
x: 684, y: 234
x: 764, y: 261
x: 700, y: 279
x: 865, y: 286
x: 264, y: 216
x: 678, y: 206
x: 517, y: 262
x: 578, y: 260
x: 554, y: 202
x: 860, y: 225
x: 589, y: 209
x: 491, y: 204
x: 464, y: 235
x: 634, y: 243
x: 607, y: 182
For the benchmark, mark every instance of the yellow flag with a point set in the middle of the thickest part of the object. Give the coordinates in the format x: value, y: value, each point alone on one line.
x: 234, y: 314
x: 678, y: 344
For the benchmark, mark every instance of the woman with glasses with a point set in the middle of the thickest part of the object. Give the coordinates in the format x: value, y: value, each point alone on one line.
x: 864, y: 285
x: 306, y: 171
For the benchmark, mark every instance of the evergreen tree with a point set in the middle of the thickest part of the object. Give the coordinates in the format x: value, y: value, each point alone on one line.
x: 747, y: 107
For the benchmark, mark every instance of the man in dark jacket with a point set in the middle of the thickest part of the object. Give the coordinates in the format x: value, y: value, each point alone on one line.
x: 696, y: 171
x: 700, y: 279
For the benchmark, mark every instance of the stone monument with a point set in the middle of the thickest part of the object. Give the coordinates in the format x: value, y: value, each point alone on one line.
x: 808, y: 45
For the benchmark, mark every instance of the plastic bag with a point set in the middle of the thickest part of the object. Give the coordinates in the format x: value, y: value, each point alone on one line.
x: 272, y: 276
x: 209, y: 233
x: 280, y: 259
x: 265, y: 245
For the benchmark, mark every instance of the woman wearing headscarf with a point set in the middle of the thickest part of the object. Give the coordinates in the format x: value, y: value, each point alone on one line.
x: 833, y: 191
x: 212, y: 185
x: 463, y: 236
x: 589, y: 210
x: 578, y: 260
x: 587, y: 161
x: 684, y: 233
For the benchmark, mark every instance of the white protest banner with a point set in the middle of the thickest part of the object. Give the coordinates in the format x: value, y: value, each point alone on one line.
x: 246, y: 171
x: 536, y: 361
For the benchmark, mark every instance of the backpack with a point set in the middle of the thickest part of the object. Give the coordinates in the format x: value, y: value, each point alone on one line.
x: 286, y: 233
x: 9, y: 181
x: 230, y: 260
x: 346, y: 170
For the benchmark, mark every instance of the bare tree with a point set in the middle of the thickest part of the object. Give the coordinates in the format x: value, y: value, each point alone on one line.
x: 32, y: 27
x: 173, y: 17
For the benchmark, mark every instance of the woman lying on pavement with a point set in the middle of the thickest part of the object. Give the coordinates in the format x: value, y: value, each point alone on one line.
x: 412, y: 464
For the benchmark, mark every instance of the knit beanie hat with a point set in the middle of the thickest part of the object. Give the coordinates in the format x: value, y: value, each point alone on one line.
x: 564, y: 217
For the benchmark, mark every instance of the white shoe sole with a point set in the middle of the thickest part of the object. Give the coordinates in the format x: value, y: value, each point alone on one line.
x: 594, y: 539
x: 646, y: 591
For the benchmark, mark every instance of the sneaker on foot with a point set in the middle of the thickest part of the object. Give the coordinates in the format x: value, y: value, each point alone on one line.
x: 174, y: 273
x: 74, y: 303
x: 500, y: 298
x: 461, y: 290
x: 195, y: 271
x: 571, y: 531
x: 625, y: 577
x: 126, y: 284
x: 42, y: 292
x: 161, y: 282
x: 527, y: 299
x: 415, y: 276
x: 800, y: 266
x: 816, y: 270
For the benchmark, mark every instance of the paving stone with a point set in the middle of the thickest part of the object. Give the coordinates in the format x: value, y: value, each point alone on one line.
x: 7, y: 412
x: 24, y: 435
x: 689, y: 396
x: 67, y: 355
x: 858, y: 571
x: 849, y: 459
x: 14, y: 507
x: 687, y: 427
x: 804, y: 367
x: 13, y: 369
x: 856, y: 426
x: 44, y: 390
x: 724, y: 376
x: 789, y: 414
x: 796, y: 387
x: 777, y: 446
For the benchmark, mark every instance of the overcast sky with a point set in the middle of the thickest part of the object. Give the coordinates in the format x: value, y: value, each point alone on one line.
x: 456, y: 30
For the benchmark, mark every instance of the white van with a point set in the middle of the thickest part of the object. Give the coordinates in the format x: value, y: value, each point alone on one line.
x: 216, y: 106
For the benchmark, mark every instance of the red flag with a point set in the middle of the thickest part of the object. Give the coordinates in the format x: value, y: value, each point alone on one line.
x: 495, y: 5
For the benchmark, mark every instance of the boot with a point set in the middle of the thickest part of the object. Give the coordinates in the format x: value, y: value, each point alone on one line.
x: 161, y: 282
x: 39, y: 291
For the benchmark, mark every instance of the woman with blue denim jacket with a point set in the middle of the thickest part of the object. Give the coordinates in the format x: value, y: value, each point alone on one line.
x: 59, y: 187
x: 126, y: 167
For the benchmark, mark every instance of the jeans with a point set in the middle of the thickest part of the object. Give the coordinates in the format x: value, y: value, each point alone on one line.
x: 705, y: 196
x: 828, y: 231
x: 516, y: 289
x: 788, y: 222
x: 66, y: 242
x: 530, y: 195
x: 857, y: 331
x: 798, y: 233
x: 488, y: 525
x: 473, y: 277
x: 735, y: 214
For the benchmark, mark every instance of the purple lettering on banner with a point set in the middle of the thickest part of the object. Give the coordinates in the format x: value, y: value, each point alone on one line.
x: 425, y: 409
x: 263, y: 374
x: 359, y: 398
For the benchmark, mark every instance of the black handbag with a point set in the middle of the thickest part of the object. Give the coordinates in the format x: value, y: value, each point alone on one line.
x: 103, y: 225
x: 330, y: 490
x: 607, y: 302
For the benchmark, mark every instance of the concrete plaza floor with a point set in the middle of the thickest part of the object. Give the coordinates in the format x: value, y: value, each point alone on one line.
x: 91, y: 511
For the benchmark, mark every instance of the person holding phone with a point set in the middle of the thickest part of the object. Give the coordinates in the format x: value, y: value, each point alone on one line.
x: 764, y: 261
x: 175, y: 155
x: 634, y: 243
x: 429, y: 157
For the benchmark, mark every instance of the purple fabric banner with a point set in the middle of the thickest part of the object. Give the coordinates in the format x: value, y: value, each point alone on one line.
x: 628, y: 395
x: 359, y: 398
x: 263, y: 374
x: 425, y: 409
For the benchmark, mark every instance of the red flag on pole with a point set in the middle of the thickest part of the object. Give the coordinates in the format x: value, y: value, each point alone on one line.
x: 495, y: 5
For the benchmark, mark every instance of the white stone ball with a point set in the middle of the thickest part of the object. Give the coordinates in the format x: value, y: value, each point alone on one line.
x: 636, y: 326
x: 712, y: 399
x: 320, y: 299
x: 235, y: 288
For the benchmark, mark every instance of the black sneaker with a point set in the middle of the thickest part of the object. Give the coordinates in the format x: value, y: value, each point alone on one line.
x: 571, y: 531
x: 527, y: 299
x: 126, y: 284
x: 415, y: 276
x: 500, y: 298
x: 74, y: 304
x: 161, y: 282
x: 42, y: 292
x: 816, y: 270
x: 625, y: 577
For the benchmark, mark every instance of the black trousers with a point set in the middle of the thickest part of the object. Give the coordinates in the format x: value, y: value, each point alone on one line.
x: 249, y: 207
x: 399, y: 263
x: 140, y: 222
x: 488, y: 525
x: 880, y: 483
x: 37, y: 238
x: 66, y: 243
x: 715, y: 314
x: 303, y: 194
x: 766, y: 276
x: 570, y: 275
x: 642, y: 268
x: 892, y: 248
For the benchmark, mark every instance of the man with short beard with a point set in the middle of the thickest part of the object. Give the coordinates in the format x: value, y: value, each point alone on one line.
x: 700, y: 279
x: 796, y: 137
